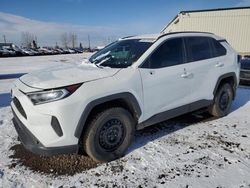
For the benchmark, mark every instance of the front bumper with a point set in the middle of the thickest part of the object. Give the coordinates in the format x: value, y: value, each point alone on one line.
x: 49, y: 128
x: 245, y: 75
x: 31, y: 143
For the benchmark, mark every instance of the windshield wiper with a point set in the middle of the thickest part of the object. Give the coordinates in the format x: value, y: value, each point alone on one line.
x: 98, y: 66
x: 88, y: 62
x: 98, y: 58
x: 103, y: 61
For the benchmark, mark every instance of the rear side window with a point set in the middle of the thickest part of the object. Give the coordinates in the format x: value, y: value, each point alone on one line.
x: 170, y: 53
x: 219, y: 50
x: 198, y: 48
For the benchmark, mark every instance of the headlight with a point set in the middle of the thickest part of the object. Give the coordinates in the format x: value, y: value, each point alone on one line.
x: 47, y: 96
x: 52, y: 95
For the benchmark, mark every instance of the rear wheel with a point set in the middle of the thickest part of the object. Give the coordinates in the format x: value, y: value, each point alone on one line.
x: 109, y: 134
x: 222, y: 101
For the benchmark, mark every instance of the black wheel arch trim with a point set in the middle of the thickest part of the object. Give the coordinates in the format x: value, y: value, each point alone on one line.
x: 224, y: 76
x: 126, y: 96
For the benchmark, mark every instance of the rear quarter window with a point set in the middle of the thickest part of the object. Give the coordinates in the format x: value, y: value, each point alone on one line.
x: 218, y: 48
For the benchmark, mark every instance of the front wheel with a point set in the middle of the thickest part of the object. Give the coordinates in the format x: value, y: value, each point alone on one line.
x: 222, y: 101
x: 109, y: 134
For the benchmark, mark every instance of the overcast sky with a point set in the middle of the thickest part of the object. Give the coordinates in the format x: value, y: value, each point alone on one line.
x: 101, y: 19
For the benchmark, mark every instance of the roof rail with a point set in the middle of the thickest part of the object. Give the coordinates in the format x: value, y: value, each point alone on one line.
x: 179, y: 32
x: 127, y: 37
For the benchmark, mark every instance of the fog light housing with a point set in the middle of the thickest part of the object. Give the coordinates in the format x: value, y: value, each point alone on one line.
x: 56, y: 126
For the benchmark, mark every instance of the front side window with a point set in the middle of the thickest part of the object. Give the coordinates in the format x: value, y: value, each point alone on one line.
x: 198, y: 48
x: 120, y: 54
x: 170, y: 53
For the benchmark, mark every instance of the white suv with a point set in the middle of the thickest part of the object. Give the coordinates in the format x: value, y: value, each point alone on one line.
x: 133, y: 83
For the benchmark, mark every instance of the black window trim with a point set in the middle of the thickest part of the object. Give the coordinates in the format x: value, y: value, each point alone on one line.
x: 220, y: 41
x: 214, y: 49
x: 185, y: 50
x: 183, y: 55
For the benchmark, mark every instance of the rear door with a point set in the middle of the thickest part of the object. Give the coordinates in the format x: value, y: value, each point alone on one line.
x: 202, y: 64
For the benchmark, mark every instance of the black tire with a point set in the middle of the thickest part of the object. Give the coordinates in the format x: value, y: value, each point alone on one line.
x: 222, y: 101
x: 109, y: 134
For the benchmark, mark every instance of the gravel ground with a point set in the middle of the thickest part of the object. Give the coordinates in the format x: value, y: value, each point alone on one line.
x: 55, y: 165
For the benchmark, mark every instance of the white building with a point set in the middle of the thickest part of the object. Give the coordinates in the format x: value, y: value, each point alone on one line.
x: 230, y: 23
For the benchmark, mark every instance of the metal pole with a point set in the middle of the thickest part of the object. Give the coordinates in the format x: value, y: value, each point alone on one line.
x: 4, y: 38
x: 89, y: 41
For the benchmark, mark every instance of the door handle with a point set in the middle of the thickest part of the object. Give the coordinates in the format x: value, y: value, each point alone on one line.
x: 219, y: 64
x: 186, y: 75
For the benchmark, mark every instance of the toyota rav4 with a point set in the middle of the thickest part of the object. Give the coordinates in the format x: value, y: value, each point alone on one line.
x: 135, y: 82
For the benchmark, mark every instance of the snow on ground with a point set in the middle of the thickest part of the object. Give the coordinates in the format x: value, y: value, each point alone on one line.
x: 30, y: 63
x: 190, y: 151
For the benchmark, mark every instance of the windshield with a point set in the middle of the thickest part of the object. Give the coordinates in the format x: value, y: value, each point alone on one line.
x: 120, y: 54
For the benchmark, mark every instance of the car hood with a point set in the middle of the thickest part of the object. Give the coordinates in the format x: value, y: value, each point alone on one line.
x: 65, y: 75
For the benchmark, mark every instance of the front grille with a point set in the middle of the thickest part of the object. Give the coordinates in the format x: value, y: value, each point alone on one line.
x: 19, y: 107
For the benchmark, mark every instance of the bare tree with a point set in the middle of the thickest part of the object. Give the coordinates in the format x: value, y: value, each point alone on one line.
x: 65, y: 40
x: 69, y: 39
x: 27, y: 39
x: 73, y: 39
x: 4, y: 39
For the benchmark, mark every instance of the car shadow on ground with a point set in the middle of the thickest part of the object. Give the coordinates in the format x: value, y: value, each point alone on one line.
x: 5, y: 99
x: 11, y: 76
x: 159, y: 130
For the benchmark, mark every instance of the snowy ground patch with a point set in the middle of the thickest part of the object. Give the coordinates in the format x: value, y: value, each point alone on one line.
x: 194, y: 150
